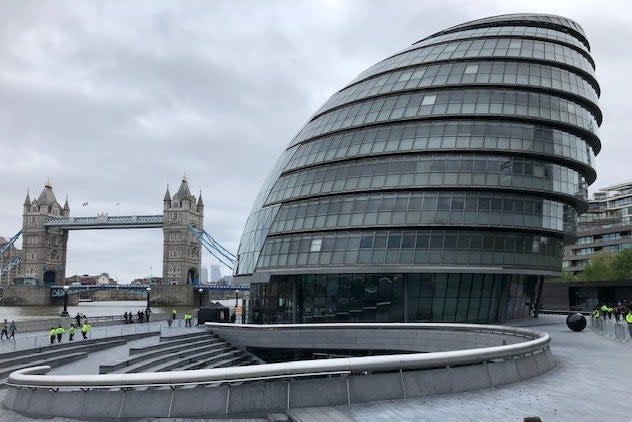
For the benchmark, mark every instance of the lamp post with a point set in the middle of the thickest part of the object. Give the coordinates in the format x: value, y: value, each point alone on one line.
x: 65, y: 311
x: 148, y: 290
x: 201, y: 293
x: 236, y: 302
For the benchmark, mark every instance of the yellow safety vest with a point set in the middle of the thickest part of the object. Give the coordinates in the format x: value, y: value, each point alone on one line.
x: 604, y: 308
x: 628, y: 318
x: 71, y: 330
x: 595, y: 313
x: 52, y: 332
x: 60, y: 331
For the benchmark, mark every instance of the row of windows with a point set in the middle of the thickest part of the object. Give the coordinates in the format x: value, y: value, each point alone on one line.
x: 443, y: 135
x: 438, y: 75
x: 483, y: 102
x: 254, y: 234
x: 493, y: 47
x: 522, y: 18
x: 428, y: 297
x: 425, y: 208
x: 401, y: 247
x: 259, y: 220
x: 439, y: 170
x: 515, y: 31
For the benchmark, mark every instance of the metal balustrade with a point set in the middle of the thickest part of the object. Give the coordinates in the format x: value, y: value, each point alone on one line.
x: 610, y: 327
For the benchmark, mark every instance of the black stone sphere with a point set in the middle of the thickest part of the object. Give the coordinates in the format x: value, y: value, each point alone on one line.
x: 576, y: 322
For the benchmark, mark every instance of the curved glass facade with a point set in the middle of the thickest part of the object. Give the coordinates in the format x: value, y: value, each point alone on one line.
x: 439, y: 185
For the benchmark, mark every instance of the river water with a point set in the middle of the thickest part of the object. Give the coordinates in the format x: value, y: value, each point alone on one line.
x: 90, y: 309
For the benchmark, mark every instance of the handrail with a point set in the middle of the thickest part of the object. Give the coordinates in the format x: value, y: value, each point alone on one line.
x: 183, y: 384
x: 36, y: 378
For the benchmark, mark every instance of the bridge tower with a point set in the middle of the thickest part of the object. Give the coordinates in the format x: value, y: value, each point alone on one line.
x: 182, y: 256
x: 43, y: 248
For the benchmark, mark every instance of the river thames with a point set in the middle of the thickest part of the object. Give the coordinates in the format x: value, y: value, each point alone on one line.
x: 90, y: 309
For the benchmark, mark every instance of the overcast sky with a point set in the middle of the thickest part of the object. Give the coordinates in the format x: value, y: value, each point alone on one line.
x: 113, y: 100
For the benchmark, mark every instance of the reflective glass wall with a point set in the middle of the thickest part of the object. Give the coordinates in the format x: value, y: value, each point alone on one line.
x: 430, y: 297
x: 470, y: 150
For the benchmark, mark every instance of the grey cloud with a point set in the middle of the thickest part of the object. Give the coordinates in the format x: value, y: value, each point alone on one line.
x: 113, y: 100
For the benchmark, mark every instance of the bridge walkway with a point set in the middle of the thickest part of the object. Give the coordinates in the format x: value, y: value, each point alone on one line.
x: 590, y: 382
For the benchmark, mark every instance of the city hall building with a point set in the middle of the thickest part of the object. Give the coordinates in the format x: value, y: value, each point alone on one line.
x: 439, y: 185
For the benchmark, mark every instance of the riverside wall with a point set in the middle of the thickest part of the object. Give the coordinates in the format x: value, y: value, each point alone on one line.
x: 161, y: 295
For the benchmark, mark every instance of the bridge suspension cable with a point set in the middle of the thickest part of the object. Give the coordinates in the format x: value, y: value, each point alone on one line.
x: 6, y: 268
x: 213, y: 247
x: 10, y: 243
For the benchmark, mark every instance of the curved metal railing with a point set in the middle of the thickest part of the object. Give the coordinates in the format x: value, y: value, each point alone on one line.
x: 36, y: 378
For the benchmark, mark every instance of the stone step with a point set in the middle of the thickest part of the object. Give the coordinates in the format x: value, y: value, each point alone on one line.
x: 233, y: 361
x: 153, y: 352
x: 163, y: 343
x: 145, y: 365
x: 78, y: 347
x: 199, y: 362
x: 186, y: 336
x: 54, y: 361
x: 66, y: 345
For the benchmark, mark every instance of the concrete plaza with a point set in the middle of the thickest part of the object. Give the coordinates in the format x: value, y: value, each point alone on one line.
x: 590, y: 382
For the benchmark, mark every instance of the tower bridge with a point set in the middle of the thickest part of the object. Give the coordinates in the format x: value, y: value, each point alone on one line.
x: 46, y: 224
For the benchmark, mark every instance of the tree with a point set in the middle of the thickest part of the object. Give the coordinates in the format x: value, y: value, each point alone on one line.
x: 599, y: 268
x: 622, y: 264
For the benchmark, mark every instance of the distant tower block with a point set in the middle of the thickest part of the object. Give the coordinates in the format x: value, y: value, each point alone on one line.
x: 43, y: 248
x: 182, y: 256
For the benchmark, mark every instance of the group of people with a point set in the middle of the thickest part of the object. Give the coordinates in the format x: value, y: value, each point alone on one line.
x: 620, y: 311
x: 6, y: 329
x: 141, y: 316
x: 57, y: 333
x: 188, y: 317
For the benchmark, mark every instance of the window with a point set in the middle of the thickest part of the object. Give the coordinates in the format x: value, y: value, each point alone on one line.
x: 471, y: 68
x: 429, y: 100
x: 316, y: 245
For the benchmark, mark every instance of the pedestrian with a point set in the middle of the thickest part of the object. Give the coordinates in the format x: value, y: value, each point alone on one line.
x: 595, y: 312
x: 628, y: 319
x: 60, y: 333
x: 78, y: 319
x: 71, y: 332
x: 125, y: 317
x: 141, y: 316
x: 169, y: 322
x: 5, y: 328
x: 12, y: 329
x: 617, y: 312
x: 187, y: 318
x: 85, y: 329
x: 173, y: 314
x: 52, y: 333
